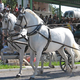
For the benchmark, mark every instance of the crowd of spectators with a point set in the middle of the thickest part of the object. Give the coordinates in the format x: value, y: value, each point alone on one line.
x: 69, y: 22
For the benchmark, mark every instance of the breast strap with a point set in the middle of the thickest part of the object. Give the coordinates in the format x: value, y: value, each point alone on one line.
x: 48, y: 41
x: 35, y: 30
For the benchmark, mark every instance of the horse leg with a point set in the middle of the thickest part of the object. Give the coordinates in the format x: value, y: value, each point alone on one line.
x: 50, y: 60
x: 70, y: 51
x: 38, y: 56
x: 21, y: 52
x: 32, y: 54
x: 63, y: 54
x: 42, y: 62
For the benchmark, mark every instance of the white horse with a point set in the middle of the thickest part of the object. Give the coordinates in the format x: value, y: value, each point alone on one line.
x: 8, y: 24
x: 38, y: 38
x: 9, y: 21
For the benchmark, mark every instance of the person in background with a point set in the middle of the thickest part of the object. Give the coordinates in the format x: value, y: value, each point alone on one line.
x: 28, y: 7
x: 34, y: 8
x: 42, y: 17
x: 0, y: 23
x: 39, y: 9
x: 1, y: 6
x: 70, y: 25
x: 1, y: 36
x: 7, y: 6
x: 49, y: 20
x: 46, y: 19
x: 20, y: 7
x: 15, y: 9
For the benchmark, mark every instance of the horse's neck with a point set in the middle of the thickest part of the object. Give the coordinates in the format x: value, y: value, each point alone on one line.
x: 13, y: 20
x: 32, y: 20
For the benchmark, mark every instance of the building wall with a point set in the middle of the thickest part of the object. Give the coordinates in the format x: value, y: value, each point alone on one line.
x: 25, y: 2
x: 36, y: 4
x: 41, y: 5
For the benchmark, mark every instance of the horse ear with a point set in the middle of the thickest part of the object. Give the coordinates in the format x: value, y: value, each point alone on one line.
x: 23, y: 9
x: 24, y: 12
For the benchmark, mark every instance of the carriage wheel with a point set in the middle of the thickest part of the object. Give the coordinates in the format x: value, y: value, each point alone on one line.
x: 63, y: 64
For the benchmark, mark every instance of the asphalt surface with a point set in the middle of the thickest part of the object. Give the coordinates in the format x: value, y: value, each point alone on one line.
x: 49, y: 74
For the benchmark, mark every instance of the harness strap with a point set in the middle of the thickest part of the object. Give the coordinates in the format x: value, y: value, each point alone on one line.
x: 35, y: 30
x: 30, y: 46
x: 49, y: 39
x: 57, y: 42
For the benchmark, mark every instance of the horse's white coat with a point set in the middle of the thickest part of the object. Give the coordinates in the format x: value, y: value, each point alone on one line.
x: 37, y: 42
x: 23, y: 32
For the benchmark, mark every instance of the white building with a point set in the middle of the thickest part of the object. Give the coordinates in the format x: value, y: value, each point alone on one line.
x: 25, y: 2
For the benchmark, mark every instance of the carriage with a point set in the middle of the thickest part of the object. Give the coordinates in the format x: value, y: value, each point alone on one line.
x: 77, y: 38
x: 46, y: 37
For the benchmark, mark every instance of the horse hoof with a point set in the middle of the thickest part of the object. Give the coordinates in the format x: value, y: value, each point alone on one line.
x: 31, y: 78
x: 52, y: 66
x: 41, y: 72
x: 17, y: 76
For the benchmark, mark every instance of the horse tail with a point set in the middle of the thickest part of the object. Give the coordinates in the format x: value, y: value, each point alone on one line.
x: 77, y: 52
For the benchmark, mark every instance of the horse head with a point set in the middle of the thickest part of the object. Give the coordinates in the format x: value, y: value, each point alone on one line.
x: 8, y: 22
x: 28, y: 18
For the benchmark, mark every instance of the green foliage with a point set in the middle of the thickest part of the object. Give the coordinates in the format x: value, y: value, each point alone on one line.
x: 12, y: 3
x: 4, y: 1
x: 54, y: 10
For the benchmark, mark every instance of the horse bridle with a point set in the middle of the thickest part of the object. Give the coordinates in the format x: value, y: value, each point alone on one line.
x: 7, y: 29
x: 20, y: 18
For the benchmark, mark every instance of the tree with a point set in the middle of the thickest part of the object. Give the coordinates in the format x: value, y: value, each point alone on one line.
x: 12, y: 3
x: 4, y: 1
x: 54, y: 10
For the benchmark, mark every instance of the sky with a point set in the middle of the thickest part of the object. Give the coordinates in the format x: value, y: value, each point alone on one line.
x: 66, y: 8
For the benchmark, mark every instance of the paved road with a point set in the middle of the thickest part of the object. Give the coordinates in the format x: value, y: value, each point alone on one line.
x: 49, y: 74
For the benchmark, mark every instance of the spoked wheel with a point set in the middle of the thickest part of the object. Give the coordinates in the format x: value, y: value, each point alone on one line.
x: 63, y: 64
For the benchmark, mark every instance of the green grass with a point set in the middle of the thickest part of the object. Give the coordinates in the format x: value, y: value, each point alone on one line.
x: 53, y: 63
x: 8, y: 66
x: 2, y: 66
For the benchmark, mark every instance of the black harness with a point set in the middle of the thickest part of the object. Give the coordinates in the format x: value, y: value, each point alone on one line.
x: 48, y: 41
x: 35, y: 32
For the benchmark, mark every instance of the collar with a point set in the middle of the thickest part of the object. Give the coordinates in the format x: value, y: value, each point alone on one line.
x: 35, y: 30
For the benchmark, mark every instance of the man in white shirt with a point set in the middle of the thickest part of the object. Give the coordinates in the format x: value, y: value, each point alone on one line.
x: 1, y: 6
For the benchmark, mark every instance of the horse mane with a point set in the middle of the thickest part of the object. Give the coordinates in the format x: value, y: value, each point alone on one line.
x: 32, y: 12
